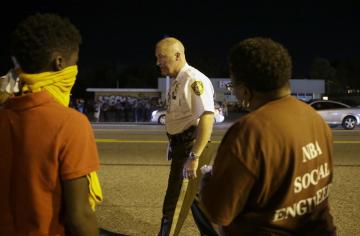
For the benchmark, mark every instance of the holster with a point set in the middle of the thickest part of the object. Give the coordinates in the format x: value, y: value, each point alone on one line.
x: 186, y: 136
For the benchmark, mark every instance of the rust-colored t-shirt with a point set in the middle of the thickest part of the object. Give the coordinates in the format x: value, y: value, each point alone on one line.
x: 41, y: 144
x: 272, y: 173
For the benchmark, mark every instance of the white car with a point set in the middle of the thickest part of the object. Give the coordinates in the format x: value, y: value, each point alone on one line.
x: 158, y: 116
x: 337, y: 113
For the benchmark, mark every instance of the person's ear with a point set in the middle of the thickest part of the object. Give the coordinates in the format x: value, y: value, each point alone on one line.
x: 177, y: 55
x: 58, y: 63
x: 248, y: 95
x: 246, y: 91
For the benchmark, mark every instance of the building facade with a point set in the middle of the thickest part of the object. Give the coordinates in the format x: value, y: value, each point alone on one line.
x: 303, y: 89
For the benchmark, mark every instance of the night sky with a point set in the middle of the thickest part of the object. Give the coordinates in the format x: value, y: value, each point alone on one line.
x: 126, y: 34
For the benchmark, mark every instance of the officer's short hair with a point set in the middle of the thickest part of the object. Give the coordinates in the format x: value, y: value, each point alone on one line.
x: 38, y: 36
x: 260, y: 63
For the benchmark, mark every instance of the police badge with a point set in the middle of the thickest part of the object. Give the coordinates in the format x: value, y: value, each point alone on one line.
x: 197, y: 87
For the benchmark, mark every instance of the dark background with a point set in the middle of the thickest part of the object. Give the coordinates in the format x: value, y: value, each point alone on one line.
x: 119, y: 36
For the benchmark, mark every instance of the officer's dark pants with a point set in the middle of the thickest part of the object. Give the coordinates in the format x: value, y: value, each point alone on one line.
x: 180, y: 151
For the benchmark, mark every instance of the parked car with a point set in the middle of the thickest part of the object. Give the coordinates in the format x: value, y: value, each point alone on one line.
x: 158, y: 116
x: 337, y: 113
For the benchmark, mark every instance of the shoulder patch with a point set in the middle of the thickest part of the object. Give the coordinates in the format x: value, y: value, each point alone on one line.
x: 198, y: 87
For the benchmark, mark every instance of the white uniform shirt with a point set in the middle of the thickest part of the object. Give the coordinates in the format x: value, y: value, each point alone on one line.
x: 190, y: 95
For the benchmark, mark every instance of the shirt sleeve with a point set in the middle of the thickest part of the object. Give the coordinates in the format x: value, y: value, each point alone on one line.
x: 225, y: 193
x: 79, y: 155
x: 202, y: 96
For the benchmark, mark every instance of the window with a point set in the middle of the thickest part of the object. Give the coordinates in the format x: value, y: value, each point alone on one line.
x: 327, y: 105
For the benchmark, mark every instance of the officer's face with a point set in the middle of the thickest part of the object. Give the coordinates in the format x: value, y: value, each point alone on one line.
x: 166, y: 60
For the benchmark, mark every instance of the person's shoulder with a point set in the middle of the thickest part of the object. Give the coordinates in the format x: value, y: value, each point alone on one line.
x: 241, y: 133
x: 194, y: 74
x: 74, y: 114
x: 303, y: 106
x: 245, y: 124
x: 64, y: 113
x: 74, y: 122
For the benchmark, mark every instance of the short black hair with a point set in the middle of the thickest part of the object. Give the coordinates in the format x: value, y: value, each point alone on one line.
x: 260, y: 63
x: 38, y: 36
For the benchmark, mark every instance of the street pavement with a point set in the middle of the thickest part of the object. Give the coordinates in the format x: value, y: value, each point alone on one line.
x: 134, y: 172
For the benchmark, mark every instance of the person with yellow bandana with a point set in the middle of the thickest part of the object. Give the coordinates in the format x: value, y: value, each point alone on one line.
x: 49, y: 157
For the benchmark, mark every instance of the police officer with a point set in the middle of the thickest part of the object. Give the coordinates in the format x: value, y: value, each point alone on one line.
x: 189, y: 122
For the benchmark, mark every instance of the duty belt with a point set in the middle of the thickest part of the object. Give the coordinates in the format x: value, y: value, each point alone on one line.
x: 187, y: 135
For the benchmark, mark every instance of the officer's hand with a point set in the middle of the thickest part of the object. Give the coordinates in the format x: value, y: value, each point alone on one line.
x: 190, y: 168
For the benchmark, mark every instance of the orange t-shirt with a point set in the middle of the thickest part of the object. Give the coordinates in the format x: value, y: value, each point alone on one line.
x: 42, y: 143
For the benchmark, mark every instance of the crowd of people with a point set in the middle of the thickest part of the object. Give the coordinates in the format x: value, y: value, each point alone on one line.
x: 269, y: 176
x: 118, y: 108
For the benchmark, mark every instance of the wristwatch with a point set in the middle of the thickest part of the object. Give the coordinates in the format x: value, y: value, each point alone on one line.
x: 193, y: 156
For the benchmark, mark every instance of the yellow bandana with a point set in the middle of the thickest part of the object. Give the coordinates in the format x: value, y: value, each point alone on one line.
x: 95, y: 192
x: 58, y: 83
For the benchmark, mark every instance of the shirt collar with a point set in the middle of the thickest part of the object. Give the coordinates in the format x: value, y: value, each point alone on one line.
x: 28, y: 101
x: 184, y: 68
